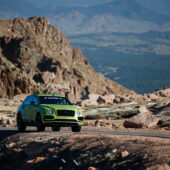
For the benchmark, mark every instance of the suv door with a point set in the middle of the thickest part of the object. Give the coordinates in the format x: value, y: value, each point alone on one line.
x: 27, y: 108
x: 23, y: 108
x: 34, y: 108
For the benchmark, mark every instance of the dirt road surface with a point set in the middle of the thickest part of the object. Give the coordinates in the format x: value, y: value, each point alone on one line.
x: 89, y: 149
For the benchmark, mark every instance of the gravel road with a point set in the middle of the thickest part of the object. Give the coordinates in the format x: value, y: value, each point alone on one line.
x: 8, y: 131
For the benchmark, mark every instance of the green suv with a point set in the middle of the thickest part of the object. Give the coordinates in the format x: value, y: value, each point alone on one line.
x: 43, y: 110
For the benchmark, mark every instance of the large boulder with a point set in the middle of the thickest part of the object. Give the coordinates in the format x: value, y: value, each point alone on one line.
x: 121, y: 99
x: 164, y: 122
x: 141, y: 120
x: 153, y: 97
x: 157, y: 95
x: 100, y: 100
x: 90, y: 99
x: 162, y: 108
x: 108, y: 98
x: 163, y: 92
x: 143, y: 109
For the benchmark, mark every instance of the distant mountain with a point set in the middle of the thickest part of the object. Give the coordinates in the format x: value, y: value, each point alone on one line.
x: 18, y: 8
x: 161, y: 6
x: 137, y: 61
x: 129, y: 9
x: 67, y: 3
x: 73, y: 17
x: 116, y: 16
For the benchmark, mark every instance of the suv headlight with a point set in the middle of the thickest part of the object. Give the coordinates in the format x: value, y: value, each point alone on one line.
x: 78, y: 113
x: 51, y: 112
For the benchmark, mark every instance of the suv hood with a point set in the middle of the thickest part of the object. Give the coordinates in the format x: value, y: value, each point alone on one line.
x: 59, y: 107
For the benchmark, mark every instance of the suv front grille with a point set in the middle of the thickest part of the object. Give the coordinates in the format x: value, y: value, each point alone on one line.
x: 65, y: 112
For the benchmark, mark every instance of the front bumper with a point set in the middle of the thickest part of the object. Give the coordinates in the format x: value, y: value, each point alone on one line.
x: 62, y: 121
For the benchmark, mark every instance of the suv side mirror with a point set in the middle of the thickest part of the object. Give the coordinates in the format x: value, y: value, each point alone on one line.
x: 32, y: 103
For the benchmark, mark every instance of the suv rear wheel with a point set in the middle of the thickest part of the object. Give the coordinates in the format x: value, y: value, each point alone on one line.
x: 39, y: 124
x: 76, y: 128
x: 20, y: 124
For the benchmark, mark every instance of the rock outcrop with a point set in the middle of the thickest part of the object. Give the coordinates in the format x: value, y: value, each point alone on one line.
x: 144, y: 119
x: 35, y: 57
x: 157, y: 95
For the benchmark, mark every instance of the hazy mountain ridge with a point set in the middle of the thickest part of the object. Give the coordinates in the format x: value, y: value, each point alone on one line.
x: 161, y: 6
x: 150, y: 42
x: 13, y: 8
x: 137, y: 61
x: 111, y: 16
x: 116, y: 16
x: 71, y: 3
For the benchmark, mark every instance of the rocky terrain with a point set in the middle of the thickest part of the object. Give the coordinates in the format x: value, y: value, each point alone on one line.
x: 109, y: 111
x: 117, y: 134
x: 91, y: 151
x: 37, y: 58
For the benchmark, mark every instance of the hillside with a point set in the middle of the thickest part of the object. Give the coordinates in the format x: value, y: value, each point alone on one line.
x: 37, y: 58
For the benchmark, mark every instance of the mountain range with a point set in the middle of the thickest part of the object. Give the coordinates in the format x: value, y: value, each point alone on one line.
x: 137, y: 61
x: 77, y: 17
x: 161, y: 6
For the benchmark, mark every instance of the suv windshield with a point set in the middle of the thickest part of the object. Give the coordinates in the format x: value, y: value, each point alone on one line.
x: 53, y: 100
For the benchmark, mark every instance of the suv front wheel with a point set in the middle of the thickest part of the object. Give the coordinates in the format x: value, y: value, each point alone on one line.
x: 20, y: 124
x: 39, y: 124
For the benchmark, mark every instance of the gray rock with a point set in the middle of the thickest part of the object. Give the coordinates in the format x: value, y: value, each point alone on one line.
x: 164, y: 123
x: 141, y: 120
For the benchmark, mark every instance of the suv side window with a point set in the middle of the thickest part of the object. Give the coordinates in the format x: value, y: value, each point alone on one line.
x: 25, y: 101
x: 34, y: 99
x: 29, y: 100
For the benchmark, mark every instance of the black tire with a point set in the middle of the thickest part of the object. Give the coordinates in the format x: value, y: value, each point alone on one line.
x: 20, y: 124
x: 55, y: 128
x: 76, y: 128
x: 39, y: 124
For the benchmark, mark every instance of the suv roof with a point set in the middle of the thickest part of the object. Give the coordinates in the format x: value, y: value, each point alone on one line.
x: 48, y: 95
